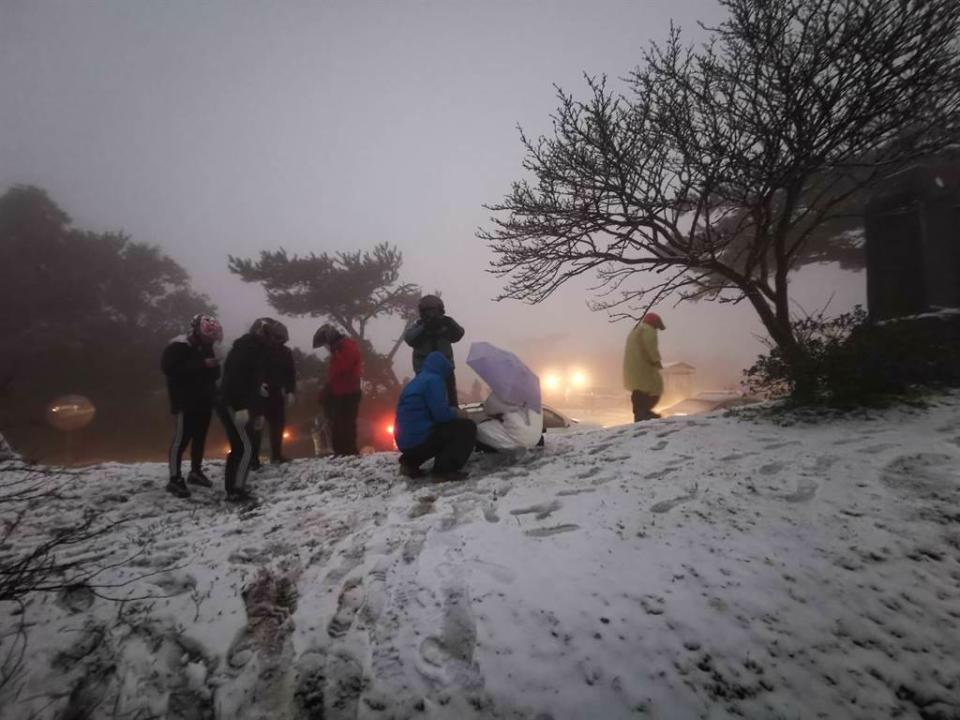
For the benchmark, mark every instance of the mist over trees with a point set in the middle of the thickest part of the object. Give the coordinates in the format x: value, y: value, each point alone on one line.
x: 85, y: 313
x: 717, y: 172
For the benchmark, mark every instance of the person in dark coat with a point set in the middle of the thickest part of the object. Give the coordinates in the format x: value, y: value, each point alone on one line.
x: 434, y: 331
x: 281, y: 379
x: 242, y: 393
x: 192, y: 372
x: 428, y: 427
x: 340, y: 396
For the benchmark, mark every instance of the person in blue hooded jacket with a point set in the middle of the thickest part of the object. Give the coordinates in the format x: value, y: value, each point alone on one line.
x: 428, y: 427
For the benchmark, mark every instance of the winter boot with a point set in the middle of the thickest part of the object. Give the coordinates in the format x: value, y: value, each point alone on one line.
x: 196, y: 477
x: 411, y: 471
x: 241, y: 496
x: 448, y: 475
x: 178, y: 487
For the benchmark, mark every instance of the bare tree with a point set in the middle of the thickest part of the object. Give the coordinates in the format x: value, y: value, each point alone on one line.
x: 709, y: 177
x: 70, y: 558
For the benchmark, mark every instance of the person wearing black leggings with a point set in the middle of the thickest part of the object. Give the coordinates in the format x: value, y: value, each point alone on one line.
x: 192, y: 370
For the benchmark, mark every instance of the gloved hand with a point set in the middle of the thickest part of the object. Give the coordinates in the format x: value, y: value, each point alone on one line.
x: 264, y: 390
x: 291, y: 400
x: 258, y: 422
x: 241, y: 417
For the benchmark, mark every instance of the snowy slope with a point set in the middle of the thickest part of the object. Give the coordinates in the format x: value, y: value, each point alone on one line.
x: 695, y: 567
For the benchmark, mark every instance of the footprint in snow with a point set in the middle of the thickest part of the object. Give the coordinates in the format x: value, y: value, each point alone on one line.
x: 554, y: 530
x: 413, y: 546
x: 270, y: 600
x: 588, y: 473
x: 375, y: 594
x: 600, y: 448
x: 349, y: 602
x: 175, y: 583
x: 667, y: 505
x: 824, y: 463
x: 660, y: 445
x: 770, y: 468
x: 424, y: 506
x: 735, y: 456
x: 874, y: 449
x: 328, y: 685
x: 923, y: 474
x: 779, y: 445
x: 76, y: 598
x: 657, y: 474
x: 806, y: 489
x: 446, y: 659
x: 542, y: 510
x: 576, y: 491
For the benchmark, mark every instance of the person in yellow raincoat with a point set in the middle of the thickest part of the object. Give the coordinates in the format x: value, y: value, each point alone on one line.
x: 641, y: 367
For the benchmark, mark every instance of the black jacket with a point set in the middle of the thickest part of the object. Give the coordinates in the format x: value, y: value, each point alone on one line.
x: 436, y: 336
x: 244, y: 371
x: 280, y: 371
x: 191, y: 385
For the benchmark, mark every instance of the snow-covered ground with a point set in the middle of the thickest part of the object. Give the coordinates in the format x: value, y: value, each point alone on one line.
x: 686, y: 568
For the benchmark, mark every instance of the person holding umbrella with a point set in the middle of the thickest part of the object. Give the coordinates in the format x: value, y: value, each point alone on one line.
x: 513, y: 410
x: 428, y: 427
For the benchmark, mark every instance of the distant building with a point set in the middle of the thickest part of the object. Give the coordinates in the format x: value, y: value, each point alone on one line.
x: 913, y: 256
x: 678, y: 383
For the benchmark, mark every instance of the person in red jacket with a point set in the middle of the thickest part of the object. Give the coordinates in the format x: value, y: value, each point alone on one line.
x: 340, y: 396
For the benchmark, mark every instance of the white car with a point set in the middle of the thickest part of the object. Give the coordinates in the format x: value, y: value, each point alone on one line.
x: 554, y: 421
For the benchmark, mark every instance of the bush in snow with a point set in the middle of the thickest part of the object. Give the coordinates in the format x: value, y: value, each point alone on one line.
x: 853, y: 362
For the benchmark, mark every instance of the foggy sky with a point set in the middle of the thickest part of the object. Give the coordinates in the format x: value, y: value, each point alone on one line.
x: 211, y: 128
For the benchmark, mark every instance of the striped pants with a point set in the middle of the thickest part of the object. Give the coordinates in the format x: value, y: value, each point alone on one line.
x: 241, y: 450
x: 191, y: 428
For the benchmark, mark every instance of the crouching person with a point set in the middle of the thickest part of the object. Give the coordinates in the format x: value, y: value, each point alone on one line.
x: 427, y: 427
x: 508, y: 427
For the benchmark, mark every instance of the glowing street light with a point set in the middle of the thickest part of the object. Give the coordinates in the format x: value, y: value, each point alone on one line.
x: 69, y: 414
x: 551, y: 381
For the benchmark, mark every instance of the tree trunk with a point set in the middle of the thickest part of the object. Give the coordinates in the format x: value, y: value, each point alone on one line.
x: 780, y: 329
